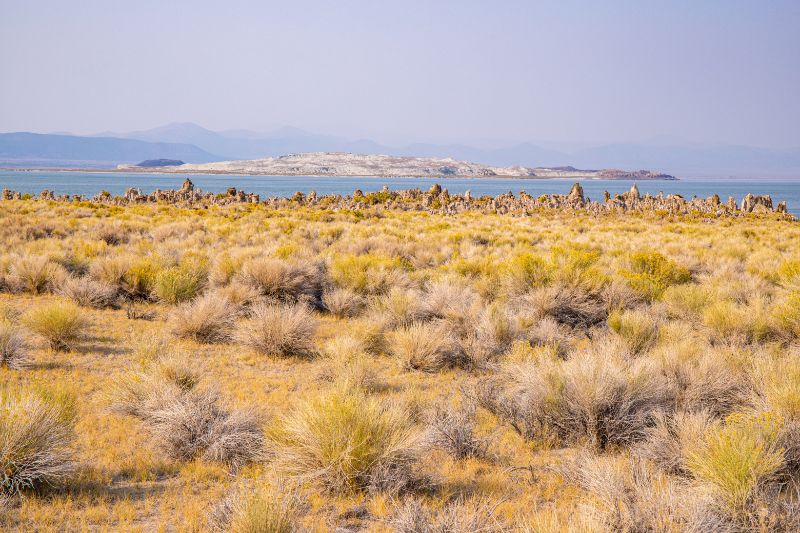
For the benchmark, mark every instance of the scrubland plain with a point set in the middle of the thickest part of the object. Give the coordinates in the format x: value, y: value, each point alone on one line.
x: 253, y: 370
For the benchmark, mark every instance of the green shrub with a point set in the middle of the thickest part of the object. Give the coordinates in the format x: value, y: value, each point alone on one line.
x: 651, y: 274
x: 267, y: 507
x: 524, y: 271
x: 344, y: 440
x: 639, y: 329
x: 737, y: 457
x: 139, y: 279
x: 179, y: 284
x: 730, y: 322
x: 368, y: 273
x: 61, y: 324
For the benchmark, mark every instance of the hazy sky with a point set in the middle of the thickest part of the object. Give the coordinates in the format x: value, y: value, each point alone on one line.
x: 709, y: 71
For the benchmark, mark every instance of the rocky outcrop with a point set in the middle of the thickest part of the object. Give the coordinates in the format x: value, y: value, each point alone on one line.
x: 439, y: 200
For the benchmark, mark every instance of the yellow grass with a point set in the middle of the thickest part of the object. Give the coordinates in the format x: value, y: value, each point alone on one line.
x: 692, y: 306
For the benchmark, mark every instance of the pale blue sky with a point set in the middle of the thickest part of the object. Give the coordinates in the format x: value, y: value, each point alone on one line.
x: 709, y: 71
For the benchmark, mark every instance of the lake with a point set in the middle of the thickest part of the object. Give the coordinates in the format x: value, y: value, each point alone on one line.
x: 91, y: 183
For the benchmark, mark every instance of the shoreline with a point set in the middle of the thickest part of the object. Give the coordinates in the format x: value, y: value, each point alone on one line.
x: 436, y: 200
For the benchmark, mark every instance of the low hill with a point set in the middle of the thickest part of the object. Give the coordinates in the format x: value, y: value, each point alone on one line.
x: 347, y: 164
x: 25, y: 149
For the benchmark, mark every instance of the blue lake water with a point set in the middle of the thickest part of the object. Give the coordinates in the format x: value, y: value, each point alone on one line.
x: 91, y: 183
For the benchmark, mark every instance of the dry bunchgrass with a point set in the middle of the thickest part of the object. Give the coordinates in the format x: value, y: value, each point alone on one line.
x: 210, y: 318
x: 280, y: 330
x: 284, y: 282
x: 265, y: 506
x: 188, y: 422
x: 667, y: 442
x: 343, y: 303
x: 344, y: 440
x: 14, y: 349
x: 36, y: 442
x: 428, y: 347
x: 87, y: 292
x: 453, y: 429
x: 61, y: 324
x: 591, y: 398
x: 460, y: 516
x: 629, y: 496
x: 34, y: 274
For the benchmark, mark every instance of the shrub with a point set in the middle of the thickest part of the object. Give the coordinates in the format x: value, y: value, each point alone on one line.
x: 459, y: 516
x: 343, y: 303
x: 491, y: 334
x: 787, y: 315
x: 89, y: 293
x: 629, y: 496
x: 453, y: 430
x: 284, y: 282
x: 594, y: 397
x: 112, y: 235
x: 61, y: 324
x: 638, y: 329
x: 13, y: 347
x: 34, y: 274
x: 263, y: 507
x: 687, y: 301
x: 524, y: 271
x: 448, y: 301
x: 710, y: 382
x: 737, y: 457
x: 667, y: 442
x: 179, y: 284
x: 279, y: 330
x: 188, y: 423
x: 549, y: 334
x: 651, y: 274
x: 210, y: 318
x: 35, y: 442
x: 110, y: 270
x: 139, y: 279
x: 427, y: 347
x: 400, y: 307
x: 349, y: 365
x: 344, y: 440
x: 366, y: 274
x: 570, y: 306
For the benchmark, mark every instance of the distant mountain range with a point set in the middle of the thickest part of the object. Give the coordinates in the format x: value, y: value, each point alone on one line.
x: 194, y: 144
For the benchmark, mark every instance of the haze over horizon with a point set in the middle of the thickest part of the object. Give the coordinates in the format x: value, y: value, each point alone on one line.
x: 467, y: 72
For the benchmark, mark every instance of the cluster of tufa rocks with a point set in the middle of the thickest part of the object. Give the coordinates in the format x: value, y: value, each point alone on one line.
x: 439, y: 200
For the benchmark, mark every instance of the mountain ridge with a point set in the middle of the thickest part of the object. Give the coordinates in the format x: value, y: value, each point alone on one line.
x: 195, y: 144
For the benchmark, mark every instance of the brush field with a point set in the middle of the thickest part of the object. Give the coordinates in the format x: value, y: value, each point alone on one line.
x: 245, y: 369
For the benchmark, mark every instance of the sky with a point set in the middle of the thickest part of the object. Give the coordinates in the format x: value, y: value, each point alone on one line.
x: 725, y: 71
